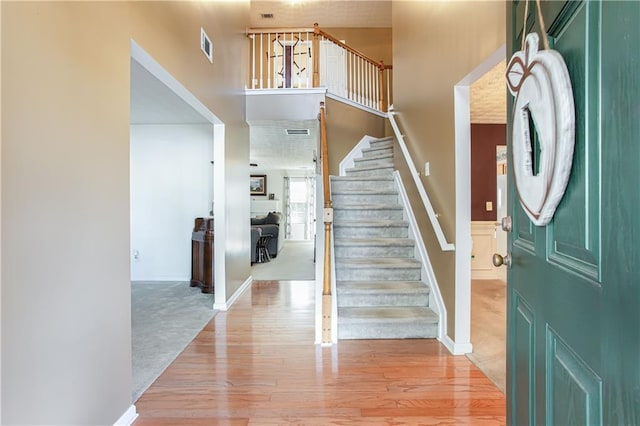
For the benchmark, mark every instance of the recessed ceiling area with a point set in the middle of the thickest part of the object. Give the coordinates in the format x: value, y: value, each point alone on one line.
x: 327, y: 13
x: 152, y: 102
x: 273, y: 149
x: 488, y: 97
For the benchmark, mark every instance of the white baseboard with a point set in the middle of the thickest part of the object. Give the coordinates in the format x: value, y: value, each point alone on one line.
x: 456, y: 348
x: 356, y: 104
x: 226, y: 305
x: 128, y: 417
x: 163, y: 278
x: 435, y: 296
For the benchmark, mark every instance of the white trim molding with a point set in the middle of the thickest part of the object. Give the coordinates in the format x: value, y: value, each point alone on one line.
x: 311, y: 91
x: 356, y: 105
x: 219, y: 181
x: 462, y: 113
x: 226, y: 305
x: 456, y: 348
x: 128, y: 417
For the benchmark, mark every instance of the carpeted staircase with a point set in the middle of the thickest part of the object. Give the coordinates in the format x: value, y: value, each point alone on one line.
x: 380, y: 292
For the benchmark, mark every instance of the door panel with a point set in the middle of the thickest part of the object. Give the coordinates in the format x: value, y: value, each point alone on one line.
x: 574, y: 391
x: 574, y: 232
x: 524, y: 231
x: 524, y: 361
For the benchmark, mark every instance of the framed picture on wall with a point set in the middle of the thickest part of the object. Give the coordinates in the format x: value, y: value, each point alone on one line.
x: 258, y: 184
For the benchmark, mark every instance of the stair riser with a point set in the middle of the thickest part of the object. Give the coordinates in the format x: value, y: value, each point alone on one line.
x: 349, y: 185
x: 342, y: 199
x: 357, y: 300
x: 380, y: 274
x: 377, y: 151
x: 370, y: 231
x: 350, y: 214
x: 384, y: 171
x: 382, y: 162
x: 375, y: 251
x: 415, y: 330
x: 381, y: 144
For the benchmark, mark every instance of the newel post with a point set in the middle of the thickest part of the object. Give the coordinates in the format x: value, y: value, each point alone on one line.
x: 316, y: 55
x: 382, y: 103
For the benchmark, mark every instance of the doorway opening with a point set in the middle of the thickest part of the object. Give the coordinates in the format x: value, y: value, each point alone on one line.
x: 172, y: 142
x: 481, y: 287
x: 300, y: 208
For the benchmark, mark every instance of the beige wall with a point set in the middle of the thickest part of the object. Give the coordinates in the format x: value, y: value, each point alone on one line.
x: 435, y: 45
x: 346, y: 125
x: 373, y: 42
x: 65, y: 189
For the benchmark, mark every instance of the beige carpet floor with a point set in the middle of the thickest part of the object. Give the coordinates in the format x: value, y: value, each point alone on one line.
x: 165, y: 317
x: 294, y: 262
x: 488, y: 329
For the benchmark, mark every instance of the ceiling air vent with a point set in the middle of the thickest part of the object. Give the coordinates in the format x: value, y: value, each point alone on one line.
x: 266, y: 15
x: 295, y: 132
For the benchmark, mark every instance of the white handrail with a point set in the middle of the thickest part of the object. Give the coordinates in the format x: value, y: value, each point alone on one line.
x: 444, y: 245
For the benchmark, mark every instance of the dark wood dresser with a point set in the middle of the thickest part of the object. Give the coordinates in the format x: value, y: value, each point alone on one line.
x: 202, y: 254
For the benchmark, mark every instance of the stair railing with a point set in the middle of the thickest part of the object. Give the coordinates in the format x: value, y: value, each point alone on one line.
x: 433, y: 216
x: 305, y: 58
x: 366, y: 81
x: 328, y: 222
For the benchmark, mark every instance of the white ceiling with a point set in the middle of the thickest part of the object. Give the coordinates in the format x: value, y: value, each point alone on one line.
x: 152, y: 102
x: 273, y: 149
x: 327, y: 13
x: 488, y: 97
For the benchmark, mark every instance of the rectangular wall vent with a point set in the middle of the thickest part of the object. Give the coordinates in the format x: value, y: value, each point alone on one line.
x: 205, y: 45
x: 292, y: 132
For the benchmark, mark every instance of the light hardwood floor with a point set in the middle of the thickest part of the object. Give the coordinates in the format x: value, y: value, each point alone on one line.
x: 257, y: 365
x: 489, y: 328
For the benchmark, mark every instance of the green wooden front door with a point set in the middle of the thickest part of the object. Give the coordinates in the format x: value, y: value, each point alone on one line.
x: 573, y: 323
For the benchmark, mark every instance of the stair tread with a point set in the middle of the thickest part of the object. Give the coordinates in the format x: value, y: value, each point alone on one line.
x: 378, y: 262
x: 361, y: 178
x: 384, y: 139
x: 374, y: 157
x: 378, y: 147
x: 368, y: 242
x: 366, y: 287
x: 369, y: 223
x: 370, y: 206
x: 381, y: 142
x: 371, y: 167
x: 364, y: 191
x: 386, y: 314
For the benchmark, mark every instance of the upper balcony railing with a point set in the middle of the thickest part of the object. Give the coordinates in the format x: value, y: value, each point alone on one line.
x: 309, y: 57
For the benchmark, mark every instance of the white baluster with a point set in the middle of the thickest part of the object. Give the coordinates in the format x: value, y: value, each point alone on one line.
x: 253, y: 61
x: 268, y: 60
x: 261, y: 49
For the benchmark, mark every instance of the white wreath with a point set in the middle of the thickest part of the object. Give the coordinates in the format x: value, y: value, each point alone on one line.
x: 540, y: 82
